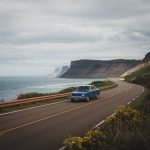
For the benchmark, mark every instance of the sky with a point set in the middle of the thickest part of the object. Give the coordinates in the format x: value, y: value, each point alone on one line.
x: 37, y: 36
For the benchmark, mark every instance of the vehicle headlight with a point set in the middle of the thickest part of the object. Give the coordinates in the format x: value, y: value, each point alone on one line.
x: 82, y: 94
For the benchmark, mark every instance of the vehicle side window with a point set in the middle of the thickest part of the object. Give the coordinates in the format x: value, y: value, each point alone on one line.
x: 93, y: 88
x: 83, y: 89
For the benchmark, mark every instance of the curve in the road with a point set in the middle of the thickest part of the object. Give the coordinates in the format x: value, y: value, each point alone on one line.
x: 45, y: 127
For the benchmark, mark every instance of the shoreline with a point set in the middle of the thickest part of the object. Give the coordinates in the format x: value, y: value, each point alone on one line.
x: 22, y: 104
x: 11, y: 87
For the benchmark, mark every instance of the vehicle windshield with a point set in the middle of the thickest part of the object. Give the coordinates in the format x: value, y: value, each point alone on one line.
x: 83, y: 89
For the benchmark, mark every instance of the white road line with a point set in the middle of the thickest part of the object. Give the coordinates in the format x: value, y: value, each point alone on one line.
x: 102, y: 121
x: 113, y: 114
x: 98, y: 124
x: 41, y: 106
x: 133, y: 99
x: 129, y: 102
x: 38, y: 106
x: 32, y: 108
x: 45, y: 105
x: 62, y: 148
x: 143, y: 90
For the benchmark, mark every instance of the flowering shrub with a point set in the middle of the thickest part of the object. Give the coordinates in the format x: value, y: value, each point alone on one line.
x: 124, y: 117
x: 117, y: 131
x: 74, y: 143
x: 94, y: 139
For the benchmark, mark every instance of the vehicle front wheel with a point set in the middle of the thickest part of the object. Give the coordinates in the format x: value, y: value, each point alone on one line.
x: 87, y: 99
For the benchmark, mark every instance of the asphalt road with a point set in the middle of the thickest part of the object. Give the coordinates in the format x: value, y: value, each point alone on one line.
x: 44, y: 128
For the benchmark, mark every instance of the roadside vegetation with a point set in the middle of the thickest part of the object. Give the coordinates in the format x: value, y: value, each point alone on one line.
x: 127, y: 129
x: 31, y: 95
x: 141, y: 77
x: 98, y: 84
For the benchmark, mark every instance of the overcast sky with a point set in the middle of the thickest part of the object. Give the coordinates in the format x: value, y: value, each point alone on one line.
x: 37, y: 36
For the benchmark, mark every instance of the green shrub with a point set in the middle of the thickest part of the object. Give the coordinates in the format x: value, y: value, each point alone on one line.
x: 121, y: 131
x: 67, y: 90
x: 94, y: 139
x: 125, y: 117
x: 141, y: 76
x: 31, y: 95
x: 101, y: 83
x: 74, y: 143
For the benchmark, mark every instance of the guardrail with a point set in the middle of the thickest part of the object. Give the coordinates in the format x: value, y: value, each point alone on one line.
x: 32, y: 100
x: 42, y: 98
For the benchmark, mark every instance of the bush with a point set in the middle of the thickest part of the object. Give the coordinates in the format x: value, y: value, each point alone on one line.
x: 121, y: 131
x: 141, y: 76
x: 74, y: 143
x: 101, y: 83
x: 142, y: 80
x: 67, y: 90
x: 94, y: 139
x: 31, y: 95
x: 125, y: 117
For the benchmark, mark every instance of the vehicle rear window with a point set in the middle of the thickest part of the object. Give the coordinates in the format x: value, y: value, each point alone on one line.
x: 82, y: 88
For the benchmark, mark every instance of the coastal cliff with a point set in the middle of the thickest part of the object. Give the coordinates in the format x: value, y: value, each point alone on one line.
x: 98, y: 68
x: 64, y: 69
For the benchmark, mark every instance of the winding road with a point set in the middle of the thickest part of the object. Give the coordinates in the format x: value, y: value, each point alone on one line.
x: 45, y: 127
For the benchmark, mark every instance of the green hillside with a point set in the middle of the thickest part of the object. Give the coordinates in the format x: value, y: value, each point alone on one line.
x: 141, y: 76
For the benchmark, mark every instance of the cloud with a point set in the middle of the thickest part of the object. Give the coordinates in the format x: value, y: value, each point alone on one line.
x: 46, y: 33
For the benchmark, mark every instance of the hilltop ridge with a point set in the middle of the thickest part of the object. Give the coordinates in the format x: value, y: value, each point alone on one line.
x: 102, y: 68
x: 98, y: 68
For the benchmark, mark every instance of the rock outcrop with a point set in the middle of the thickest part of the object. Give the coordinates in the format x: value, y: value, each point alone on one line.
x: 98, y: 68
x: 63, y: 70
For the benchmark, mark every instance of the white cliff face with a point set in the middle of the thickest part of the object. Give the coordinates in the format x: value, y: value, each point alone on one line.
x: 59, y: 71
x: 55, y: 72
x: 63, y: 70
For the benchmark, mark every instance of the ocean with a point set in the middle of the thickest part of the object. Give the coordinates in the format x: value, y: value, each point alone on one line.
x: 11, y: 87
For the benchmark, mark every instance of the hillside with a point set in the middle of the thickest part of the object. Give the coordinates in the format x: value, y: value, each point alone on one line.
x: 146, y: 58
x: 141, y: 76
x: 134, y: 69
x: 141, y: 65
x: 98, y: 68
